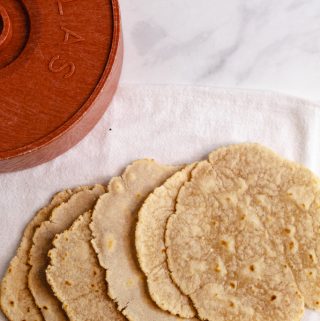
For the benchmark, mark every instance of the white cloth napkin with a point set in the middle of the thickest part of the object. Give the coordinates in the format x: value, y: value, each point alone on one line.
x: 174, y: 125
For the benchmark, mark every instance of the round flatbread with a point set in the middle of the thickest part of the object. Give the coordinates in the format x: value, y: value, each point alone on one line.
x: 61, y: 219
x: 245, y: 236
x: 151, y: 252
x: 16, y: 300
x: 113, y: 228
x: 76, y: 277
x: 288, y: 195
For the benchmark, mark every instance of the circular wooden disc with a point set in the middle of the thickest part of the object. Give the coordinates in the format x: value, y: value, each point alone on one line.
x: 60, y: 62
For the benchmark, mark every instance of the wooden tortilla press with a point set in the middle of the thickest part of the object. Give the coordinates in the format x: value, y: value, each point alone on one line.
x: 60, y: 62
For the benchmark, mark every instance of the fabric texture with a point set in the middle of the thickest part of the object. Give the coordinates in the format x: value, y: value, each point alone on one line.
x: 173, y: 125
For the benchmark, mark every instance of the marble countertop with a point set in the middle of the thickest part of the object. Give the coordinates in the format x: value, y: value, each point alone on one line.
x: 259, y: 44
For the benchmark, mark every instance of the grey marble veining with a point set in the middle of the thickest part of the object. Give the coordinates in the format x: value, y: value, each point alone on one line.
x: 262, y: 44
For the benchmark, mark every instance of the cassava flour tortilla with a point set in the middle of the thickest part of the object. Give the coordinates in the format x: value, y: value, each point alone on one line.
x: 76, y: 277
x: 16, y: 300
x: 113, y: 228
x: 286, y: 196
x: 151, y: 252
x: 61, y: 219
x: 223, y: 249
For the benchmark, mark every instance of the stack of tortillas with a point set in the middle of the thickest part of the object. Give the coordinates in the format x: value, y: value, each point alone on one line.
x: 235, y: 237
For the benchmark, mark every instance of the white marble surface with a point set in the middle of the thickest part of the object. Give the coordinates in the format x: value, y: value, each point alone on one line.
x: 262, y: 44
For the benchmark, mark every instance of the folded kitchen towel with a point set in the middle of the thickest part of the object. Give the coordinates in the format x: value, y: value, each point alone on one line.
x: 173, y: 125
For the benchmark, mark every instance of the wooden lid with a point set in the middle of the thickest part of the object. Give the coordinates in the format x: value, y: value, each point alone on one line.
x: 60, y: 63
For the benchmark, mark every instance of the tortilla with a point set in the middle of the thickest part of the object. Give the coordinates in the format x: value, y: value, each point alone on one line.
x: 113, y: 228
x: 291, y: 208
x: 233, y: 240
x: 150, y: 231
x: 76, y: 277
x: 61, y: 218
x: 16, y: 300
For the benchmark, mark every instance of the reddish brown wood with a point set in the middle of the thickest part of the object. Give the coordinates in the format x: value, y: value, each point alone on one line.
x: 58, y: 73
x: 5, y: 28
